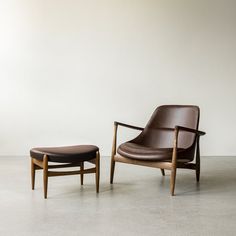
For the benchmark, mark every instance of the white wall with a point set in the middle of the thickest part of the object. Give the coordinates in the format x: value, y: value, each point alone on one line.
x: 69, y: 68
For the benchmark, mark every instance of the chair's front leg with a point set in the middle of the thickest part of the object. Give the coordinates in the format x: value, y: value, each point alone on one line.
x: 174, y: 164
x: 173, y: 176
x: 113, y: 153
x: 45, y: 175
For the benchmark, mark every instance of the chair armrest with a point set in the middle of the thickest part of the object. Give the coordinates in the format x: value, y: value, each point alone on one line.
x: 128, y: 126
x: 116, y: 124
x: 175, y: 146
x: 198, y: 132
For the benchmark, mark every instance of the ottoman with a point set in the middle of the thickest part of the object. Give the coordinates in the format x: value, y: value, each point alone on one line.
x: 63, y: 157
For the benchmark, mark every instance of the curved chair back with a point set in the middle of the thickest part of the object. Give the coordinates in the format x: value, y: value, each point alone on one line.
x: 158, y: 132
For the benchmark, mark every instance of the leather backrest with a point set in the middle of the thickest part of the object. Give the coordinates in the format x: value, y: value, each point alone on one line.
x: 168, y: 116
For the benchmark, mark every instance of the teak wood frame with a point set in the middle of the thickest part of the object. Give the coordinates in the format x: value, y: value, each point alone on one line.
x: 172, y: 166
x: 43, y: 165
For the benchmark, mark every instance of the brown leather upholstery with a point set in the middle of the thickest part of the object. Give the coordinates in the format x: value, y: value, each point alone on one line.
x: 155, y: 142
x: 67, y: 154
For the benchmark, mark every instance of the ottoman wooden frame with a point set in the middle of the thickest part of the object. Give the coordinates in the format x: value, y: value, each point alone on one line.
x: 44, y: 165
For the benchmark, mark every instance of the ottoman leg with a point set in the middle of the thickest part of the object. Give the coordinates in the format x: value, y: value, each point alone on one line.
x: 45, y: 175
x: 82, y: 175
x: 32, y: 173
x: 97, y: 171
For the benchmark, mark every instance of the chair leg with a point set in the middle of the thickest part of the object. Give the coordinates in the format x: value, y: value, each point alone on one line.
x: 163, y: 172
x: 112, y: 171
x: 113, y: 153
x: 82, y: 175
x: 198, y: 172
x: 45, y: 175
x: 173, y: 168
x: 97, y: 171
x: 172, y: 180
x: 174, y: 164
x: 198, y: 162
x: 32, y: 173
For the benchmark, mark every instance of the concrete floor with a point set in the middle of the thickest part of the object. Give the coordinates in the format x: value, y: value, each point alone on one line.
x: 138, y: 203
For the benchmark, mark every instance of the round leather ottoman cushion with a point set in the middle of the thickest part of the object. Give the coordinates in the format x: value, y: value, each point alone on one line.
x: 65, y: 154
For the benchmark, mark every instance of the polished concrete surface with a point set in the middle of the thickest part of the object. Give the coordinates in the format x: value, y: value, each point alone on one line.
x: 138, y: 203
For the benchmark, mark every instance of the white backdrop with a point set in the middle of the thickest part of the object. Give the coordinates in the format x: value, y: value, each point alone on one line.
x: 69, y: 68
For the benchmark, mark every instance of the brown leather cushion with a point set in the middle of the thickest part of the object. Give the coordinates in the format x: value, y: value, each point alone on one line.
x: 140, y: 152
x: 155, y: 142
x: 67, y: 154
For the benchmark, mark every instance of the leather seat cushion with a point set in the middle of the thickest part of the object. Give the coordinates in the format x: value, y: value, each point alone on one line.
x: 66, y: 154
x: 140, y: 152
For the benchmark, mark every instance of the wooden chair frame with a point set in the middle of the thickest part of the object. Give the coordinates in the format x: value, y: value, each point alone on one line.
x: 43, y: 165
x: 172, y: 166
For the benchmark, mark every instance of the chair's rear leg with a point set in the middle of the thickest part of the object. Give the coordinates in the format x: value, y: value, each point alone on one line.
x: 163, y: 172
x: 112, y: 171
x: 198, y: 171
x: 32, y: 173
x: 198, y: 162
x: 45, y: 175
